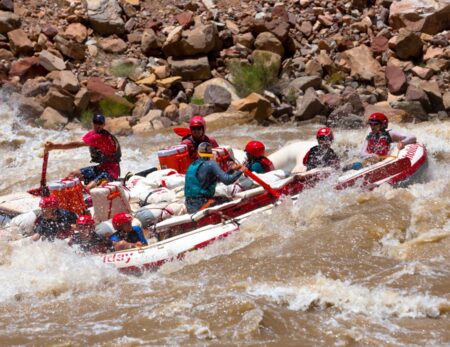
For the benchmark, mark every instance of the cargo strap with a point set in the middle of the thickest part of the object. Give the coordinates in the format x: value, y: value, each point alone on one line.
x: 111, y: 196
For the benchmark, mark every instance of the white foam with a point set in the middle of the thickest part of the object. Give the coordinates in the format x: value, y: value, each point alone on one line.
x: 321, y: 292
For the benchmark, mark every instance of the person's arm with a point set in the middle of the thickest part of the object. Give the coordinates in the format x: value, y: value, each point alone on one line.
x: 140, y: 235
x: 191, y: 148
x: 363, y: 153
x: 49, y: 146
x: 222, y: 176
x: 402, y: 139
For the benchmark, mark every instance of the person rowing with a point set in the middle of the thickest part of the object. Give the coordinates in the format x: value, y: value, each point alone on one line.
x: 202, y: 177
x: 127, y: 235
x: 197, y: 125
x: 256, y: 161
x: 52, y: 221
x: 104, y: 149
x: 322, y: 155
x: 86, y: 239
x: 377, y: 144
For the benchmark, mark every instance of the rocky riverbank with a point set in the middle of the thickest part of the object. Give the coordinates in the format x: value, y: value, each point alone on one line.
x: 150, y: 66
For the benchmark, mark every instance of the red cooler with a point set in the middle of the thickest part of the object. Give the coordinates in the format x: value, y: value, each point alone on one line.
x: 175, y: 157
x: 69, y: 193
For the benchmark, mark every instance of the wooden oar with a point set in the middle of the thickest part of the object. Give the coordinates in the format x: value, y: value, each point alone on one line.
x: 43, y: 189
x: 275, y: 193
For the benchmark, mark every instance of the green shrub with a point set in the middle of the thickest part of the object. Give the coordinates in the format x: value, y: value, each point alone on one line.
x: 114, y: 107
x: 335, y: 78
x: 256, y: 77
x: 86, y: 118
x: 123, y: 69
x: 197, y: 101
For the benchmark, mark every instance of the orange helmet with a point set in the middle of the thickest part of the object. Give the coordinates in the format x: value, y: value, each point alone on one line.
x: 378, y: 118
x: 255, y: 148
x: 121, y: 218
x: 85, y: 220
x: 49, y: 202
x: 197, y: 121
x: 325, y: 133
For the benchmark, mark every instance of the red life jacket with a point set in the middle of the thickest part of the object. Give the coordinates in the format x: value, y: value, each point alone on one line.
x: 267, y: 164
x: 379, y: 143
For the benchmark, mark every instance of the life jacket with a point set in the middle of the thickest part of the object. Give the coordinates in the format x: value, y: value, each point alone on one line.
x: 320, y: 157
x: 195, y: 143
x: 265, y: 162
x: 193, y: 187
x: 97, y: 155
x: 379, y: 143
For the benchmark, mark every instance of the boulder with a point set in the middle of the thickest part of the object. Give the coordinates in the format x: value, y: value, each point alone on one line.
x: 20, y: 43
x: 52, y: 119
x: 51, y: 62
x: 81, y: 99
x: 431, y: 88
x: 8, y: 21
x: 246, y: 40
x: 65, y: 79
x: 308, y: 106
x: 395, y: 79
x: 105, y: 16
x: 362, y: 64
x: 149, y: 42
x: 422, y: 72
x: 446, y: 101
x: 112, y: 45
x: 171, y: 112
x: 428, y: 16
x: 35, y: 87
x: 305, y: 82
x: 199, y: 91
x: 59, y: 100
x: 379, y: 44
x: 7, y: 5
x: 255, y: 104
x: 217, y: 96
x: 76, y: 32
x: 99, y: 89
x: 220, y: 120
x: 412, y: 108
x: 191, y: 69
x: 119, y: 126
x: 267, y: 41
x: 28, y: 67
x: 408, y: 45
x: 70, y: 48
x: 27, y: 107
x: 417, y: 94
x: 394, y: 115
x: 198, y: 41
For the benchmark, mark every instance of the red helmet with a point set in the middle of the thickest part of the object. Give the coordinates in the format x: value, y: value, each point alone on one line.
x: 197, y: 121
x: 255, y: 148
x: 121, y: 218
x: 49, y: 202
x: 378, y: 117
x: 325, y: 132
x: 85, y: 220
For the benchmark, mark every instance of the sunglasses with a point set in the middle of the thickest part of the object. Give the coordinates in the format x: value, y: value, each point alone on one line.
x: 323, y: 138
x: 374, y: 122
x: 196, y: 128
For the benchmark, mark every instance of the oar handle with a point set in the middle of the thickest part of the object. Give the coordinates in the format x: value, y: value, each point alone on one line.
x: 44, y: 188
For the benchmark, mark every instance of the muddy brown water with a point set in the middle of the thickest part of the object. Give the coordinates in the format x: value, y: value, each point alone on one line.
x: 342, y: 268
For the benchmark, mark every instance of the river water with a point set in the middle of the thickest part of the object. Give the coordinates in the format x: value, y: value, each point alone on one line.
x: 343, y: 268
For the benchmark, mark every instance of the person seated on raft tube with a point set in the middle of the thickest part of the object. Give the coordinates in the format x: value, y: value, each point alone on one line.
x: 256, y: 161
x: 87, y: 239
x: 197, y: 136
x: 104, y: 148
x: 126, y: 236
x: 322, y: 155
x: 202, y: 177
x: 378, y: 143
x: 52, y: 220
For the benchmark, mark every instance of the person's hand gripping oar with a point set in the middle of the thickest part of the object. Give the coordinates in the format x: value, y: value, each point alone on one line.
x: 43, y: 189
